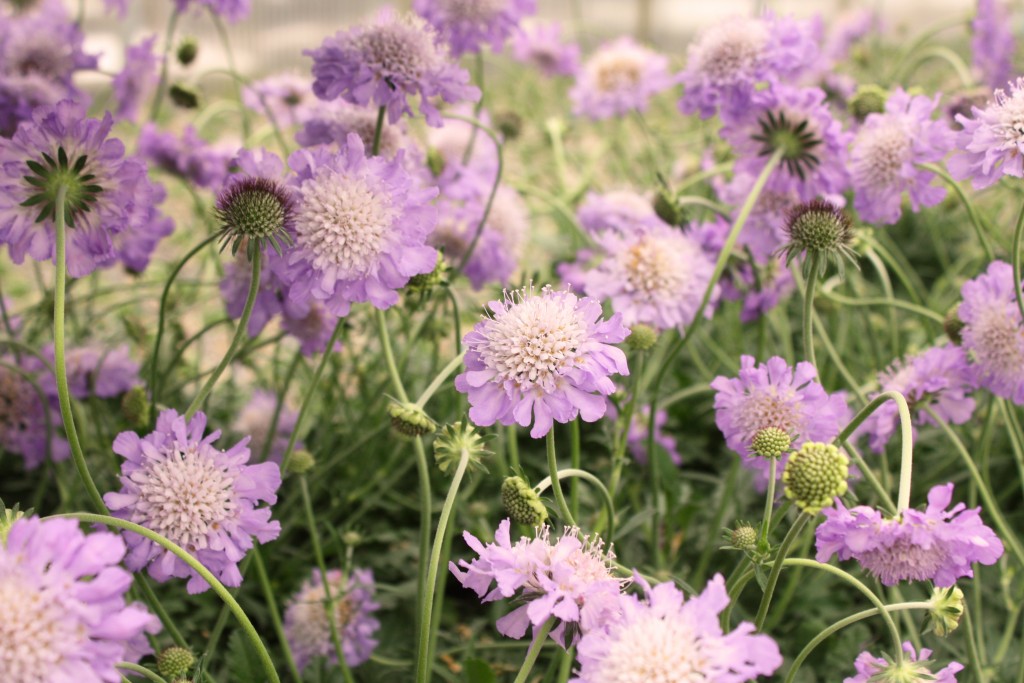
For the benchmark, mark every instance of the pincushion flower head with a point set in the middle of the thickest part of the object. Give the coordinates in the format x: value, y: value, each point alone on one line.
x: 307, y: 619
x: 993, y: 332
x: 798, y: 123
x: 667, y: 637
x: 384, y: 63
x: 187, y: 156
x: 540, y: 45
x: 992, y: 43
x: 915, y: 668
x: 286, y: 97
x: 468, y: 25
x: 885, y: 154
x: 775, y: 395
x: 137, y: 80
x: 177, y: 483
x: 624, y: 211
x: 329, y: 123
x: 939, y: 378
x: 657, y: 277
x: 935, y: 545
x: 108, y: 197
x: 822, y: 233
x: 361, y: 226
x: 569, y: 579
x: 727, y: 62
x: 620, y: 77
x: 991, y: 142
x: 257, y: 212
x: 541, y: 357
x: 62, y: 595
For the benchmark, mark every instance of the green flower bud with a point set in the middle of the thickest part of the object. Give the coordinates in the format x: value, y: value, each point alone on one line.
x: 815, y: 475
x: 522, y: 503
x: 135, y: 407
x: 175, y: 662
x: 869, y: 99
x: 947, y: 606
x: 184, y: 96
x: 642, y: 337
x: 819, y: 228
x: 188, y: 48
x: 668, y: 208
x: 301, y: 462
x: 743, y: 537
x: 771, y: 442
x: 408, y: 419
x: 452, y: 441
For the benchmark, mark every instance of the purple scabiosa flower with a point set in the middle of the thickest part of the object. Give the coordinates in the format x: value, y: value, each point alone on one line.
x: 657, y: 277
x: 232, y: 10
x: 502, y: 241
x: 623, y: 211
x: 287, y: 97
x: 936, y: 545
x: 448, y: 147
x: 109, y: 196
x: 329, y: 123
x: 666, y: 637
x: 993, y: 331
x: 254, y: 420
x: 542, y: 357
x: 95, y: 371
x: 848, y: 29
x: 541, y: 46
x: 939, y: 378
x: 468, y: 25
x: 44, y: 43
x: 775, y: 395
x: 992, y: 43
x: 386, y: 62
x: 991, y: 144
x: 569, y: 578
x: 361, y: 226
x: 20, y: 95
x: 798, y: 122
x: 885, y: 154
x: 311, y: 324
x: 729, y: 60
x: 177, y: 483
x: 137, y: 80
x: 23, y: 417
x: 914, y: 669
x: 307, y: 619
x: 63, y: 600
x: 636, y: 438
x: 620, y: 77
x: 188, y: 156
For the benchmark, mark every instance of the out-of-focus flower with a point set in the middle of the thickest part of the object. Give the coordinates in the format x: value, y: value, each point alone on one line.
x: 992, y: 43
x: 255, y: 418
x: 137, y: 80
x: 468, y: 25
x: 541, y: 46
x: 286, y: 97
x: 187, y: 156
x: 991, y: 144
x: 24, y: 410
x: 620, y: 77
x: 993, y: 332
x: 95, y: 370
x: 916, y: 668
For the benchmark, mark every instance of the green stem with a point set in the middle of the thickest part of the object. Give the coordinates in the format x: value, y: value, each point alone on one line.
x: 1016, y: 435
x: 972, y: 213
x: 576, y: 460
x: 279, y: 406
x: 540, y: 637
x: 389, y: 357
x: 575, y: 473
x: 63, y: 395
x: 377, y: 130
x: 307, y: 400
x: 432, y: 388
x: 1018, y: 234
x: 222, y: 33
x: 974, y: 654
x: 556, y: 486
x: 275, y: 614
x: 142, y: 671
x: 197, y: 566
x: 158, y: 98
x: 513, y: 448
x: 241, y: 334
x: 424, y: 656
x: 1008, y: 535
x: 894, y: 303
x: 769, y: 501
x: 773, y: 577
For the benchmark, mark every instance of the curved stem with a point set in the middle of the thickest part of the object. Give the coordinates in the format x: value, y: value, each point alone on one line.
x: 609, y: 504
x: 1017, y: 236
x: 389, y: 357
x: 158, y: 98
x: 773, y: 577
x: 275, y: 614
x: 877, y: 301
x: 432, y: 388
x: 236, y: 343
x: 424, y: 658
x: 197, y: 566
x: 142, y: 671
x: 60, y: 361
x: 972, y: 214
x: 556, y: 486
x: 540, y: 637
x: 945, y: 54
x: 279, y: 406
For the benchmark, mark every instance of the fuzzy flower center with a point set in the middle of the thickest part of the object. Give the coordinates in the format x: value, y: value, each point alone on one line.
x: 343, y: 221
x: 999, y: 341
x: 1009, y: 118
x: 34, y: 632
x: 402, y: 48
x: 312, y: 614
x: 651, y: 649
x: 616, y: 70
x: 731, y: 51
x: 903, y: 559
x: 768, y: 408
x: 473, y: 10
x: 535, y: 341
x: 16, y: 395
x: 883, y: 152
x: 185, y: 496
x: 654, y: 269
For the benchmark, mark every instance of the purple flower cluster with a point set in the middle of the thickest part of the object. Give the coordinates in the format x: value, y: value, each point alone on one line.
x: 664, y: 636
x: 27, y: 418
x: 618, y: 78
x: 177, y: 483
x: 542, y: 357
x: 384, y: 63
x: 991, y: 144
x: 187, y: 156
x: 623, y: 211
x: 994, y: 332
x: 137, y: 80
x: 935, y: 545
x: 62, y: 597
x: 569, y: 579
x: 329, y: 123
x: 95, y: 370
x: 468, y: 25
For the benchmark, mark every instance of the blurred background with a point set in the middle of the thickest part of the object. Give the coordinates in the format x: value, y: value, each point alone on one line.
x: 275, y: 34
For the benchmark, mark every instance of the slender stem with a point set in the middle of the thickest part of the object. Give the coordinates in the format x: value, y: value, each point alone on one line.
x: 972, y: 214
x: 869, y: 474
x: 808, y: 317
x: 556, y: 487
x: 389, y: 357
x: 275, y: 614
x: 575, y: 473
x: 513, y: 448
x: 222, y: 33
x: 307, y: 400
x: 773, y: 577
x: 279, y: 406
x: 576, y: 460
x: 142, y: 671
x: 906, y: 439
x: 769, y: 501
x: 477, y: 125
x: 432, y: 388
x: 377, y: 130
x: 877, y: 301
x: 467, y: 154
x: 974, y: 653
x: 1018, y: 235
x: 63, y: 395
x: 1016, y: 435
x: 424, y: 656
x: 250, y: 631
x: 992, y: 507
x: 158, y: 98
x: 540, y: 637
x: 241, y: 334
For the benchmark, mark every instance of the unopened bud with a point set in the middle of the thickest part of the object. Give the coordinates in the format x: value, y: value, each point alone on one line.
x: 522, y: 503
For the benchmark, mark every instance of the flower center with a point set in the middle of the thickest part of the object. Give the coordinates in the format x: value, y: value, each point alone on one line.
x: 768, y: 408
x: 616, y: 70
x: 731, y: 51
x: 34, y: 632
x: 535, y: 342
x: 1009, y: 124
x: 343, y: 221
x: 883, y: 151
x: 653, y: 268
x: 185, y: 496
x: 48, y: 176
x: 999, y: 341
x: 654, y: 649
x: 402, y: 48
x: 903, y: 559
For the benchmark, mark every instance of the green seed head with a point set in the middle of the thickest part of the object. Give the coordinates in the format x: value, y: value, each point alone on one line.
x: 255, y: 212
x: 453, y: 441
x: 819, y: 228
x: 642, y: 337
x: 947, y: 606
x: 522, y: 503
x: 175, y: 662
x: 815, y: 475
x: 770, y: 442
x: 869, y: 99
x: 410, y: 420
x: 743, y: 537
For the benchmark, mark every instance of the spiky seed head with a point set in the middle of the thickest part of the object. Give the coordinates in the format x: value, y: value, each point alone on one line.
x: 822, y: 229
x: 68, y: 171
x: 796, y: 140
x: 743, y: 537
x: 522, y: 503
x: 815, y: 475
x: 175, y: 662
x: 456, y: 439
x: 255, y: 211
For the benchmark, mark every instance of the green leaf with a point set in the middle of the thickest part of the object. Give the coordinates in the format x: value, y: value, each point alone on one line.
x: 761, y: 576
x: 242, y: 660
x: 478, y: 671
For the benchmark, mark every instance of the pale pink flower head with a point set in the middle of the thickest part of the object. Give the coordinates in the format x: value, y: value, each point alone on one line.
x: 620, y: 77
x: 991, y: 143
x: 993, y: 331
x: 541, y: 46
